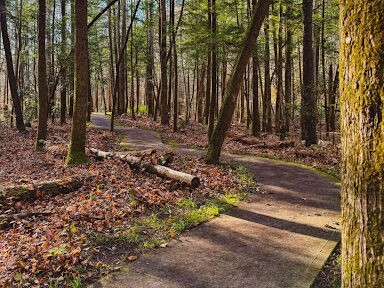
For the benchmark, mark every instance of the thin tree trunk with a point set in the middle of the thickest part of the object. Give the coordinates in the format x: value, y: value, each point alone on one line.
x: 42, y: 79
x: 326, y: 108
x: 11, y: 74
x: 212, y: 104
x: 332, y: 101
x: 150, y: 62
x: 200, y: 94
x: 288, y: 72
x: 209, y: 69
x: 279, y: 74
x: 229, y: 104
x: 255, y: 91
x: 163, y: 63
x: 308, y: 110
x: 63, y: 94
x: 267, y: 105
x: 71, y: 72
x: 111, y: 65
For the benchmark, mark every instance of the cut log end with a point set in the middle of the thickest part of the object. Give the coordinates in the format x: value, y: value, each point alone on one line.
x: 195, y: 182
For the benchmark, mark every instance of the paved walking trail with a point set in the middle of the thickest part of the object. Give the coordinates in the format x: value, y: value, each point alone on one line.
x: 279, y: 238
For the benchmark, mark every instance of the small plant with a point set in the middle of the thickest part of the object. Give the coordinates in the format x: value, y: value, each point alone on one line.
x: 173, y: 143
x: 142, y: 110
x: 336, y: 282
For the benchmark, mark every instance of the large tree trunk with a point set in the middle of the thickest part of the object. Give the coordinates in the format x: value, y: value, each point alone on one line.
x: 76, y: 154
x: 308, y: 109
x: 234, y: 82
x: 11, y: 74
x: 361, y: 99
x: 42, y: 79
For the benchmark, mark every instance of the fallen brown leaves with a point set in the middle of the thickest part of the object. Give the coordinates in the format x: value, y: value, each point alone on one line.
x: 55, y: 242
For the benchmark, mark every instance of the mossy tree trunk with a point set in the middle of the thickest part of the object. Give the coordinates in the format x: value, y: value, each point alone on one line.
x: 76, y: 154
x: 42, y: 79
x: 362, y: 128
x: 234, y: 82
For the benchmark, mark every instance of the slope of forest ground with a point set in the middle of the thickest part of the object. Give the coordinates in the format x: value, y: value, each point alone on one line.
x: 118, y: 214
x: 324, y: 157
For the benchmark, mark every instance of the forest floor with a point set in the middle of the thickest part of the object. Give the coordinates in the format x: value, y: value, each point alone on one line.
x: 117, y: 215
x: 324, y: 157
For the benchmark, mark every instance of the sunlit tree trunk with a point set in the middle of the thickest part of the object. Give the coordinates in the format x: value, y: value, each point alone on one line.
x: 234, y: 82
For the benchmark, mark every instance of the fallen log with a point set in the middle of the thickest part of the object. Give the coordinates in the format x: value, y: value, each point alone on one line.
x: 6, y: 220
x: 33, y: 190
x: 255, y: 143
x: 138, y: 163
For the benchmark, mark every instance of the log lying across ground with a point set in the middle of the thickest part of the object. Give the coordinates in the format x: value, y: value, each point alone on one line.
x: 33, y: 190
x: 256, y: 143
x: 138, y: 163
x: 6, y: 220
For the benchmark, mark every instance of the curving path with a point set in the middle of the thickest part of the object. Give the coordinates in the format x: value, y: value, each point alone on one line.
x: 280, y: 237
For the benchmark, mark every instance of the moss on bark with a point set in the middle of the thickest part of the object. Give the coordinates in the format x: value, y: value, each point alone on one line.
x: 362, y: 95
